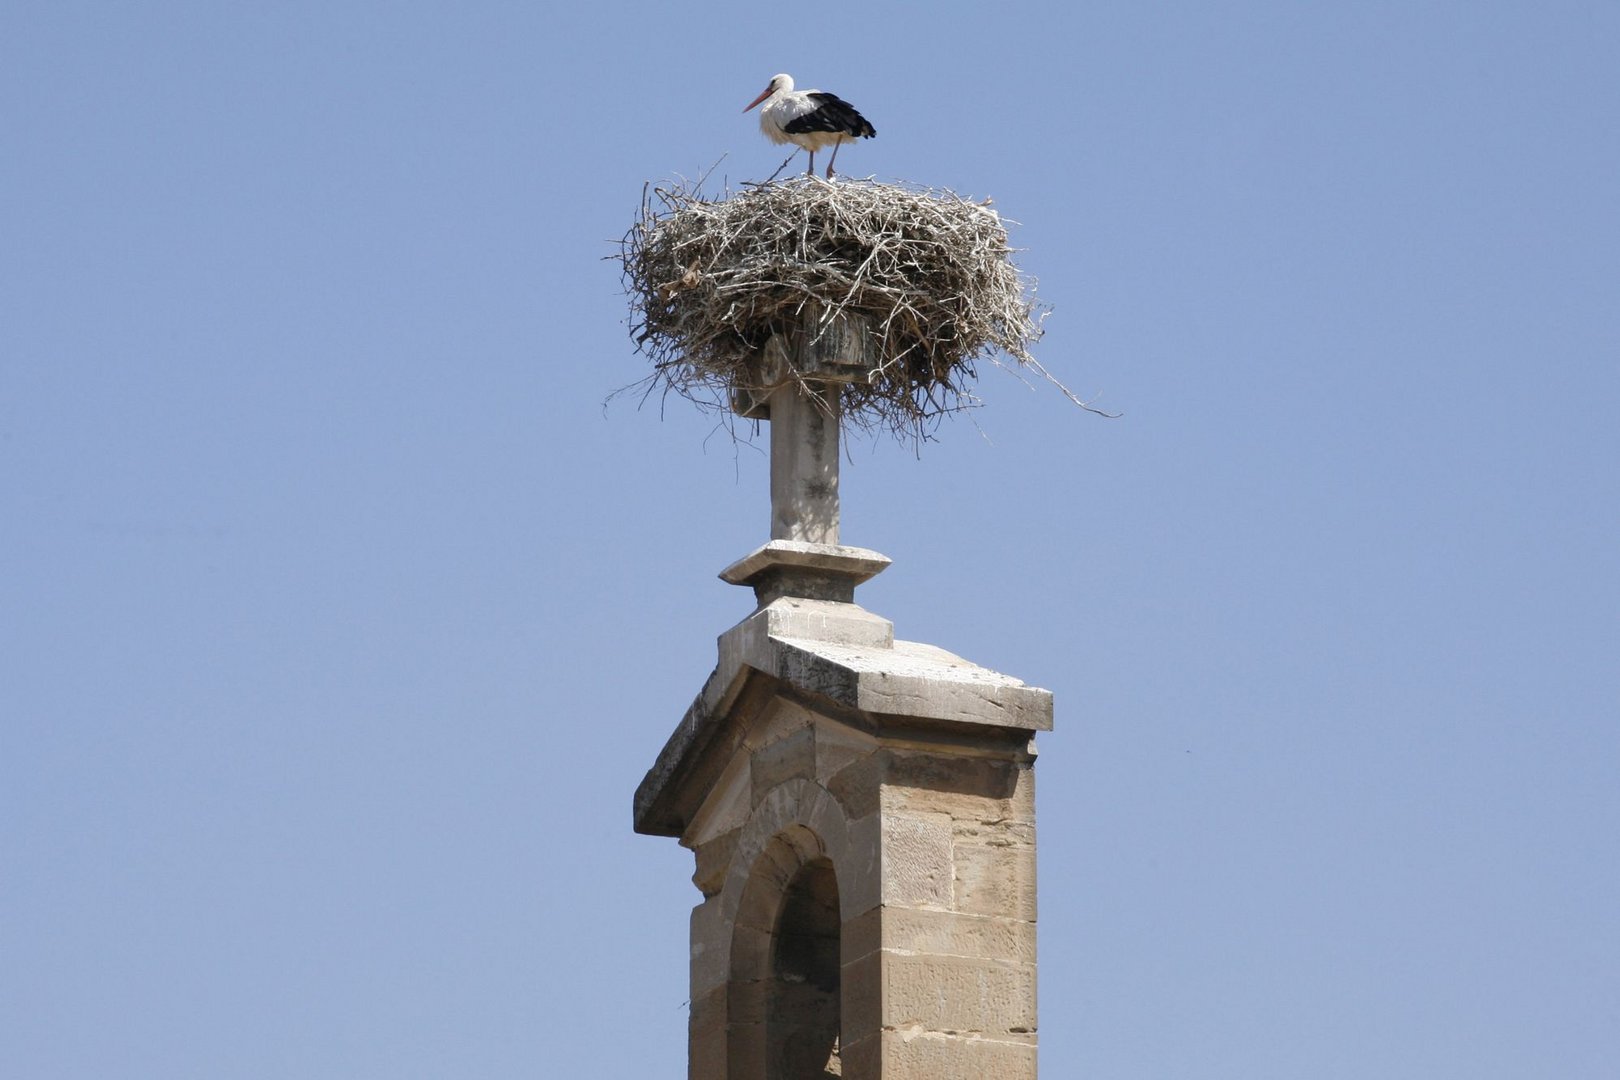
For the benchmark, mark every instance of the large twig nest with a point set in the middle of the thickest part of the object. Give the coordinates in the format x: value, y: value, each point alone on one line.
x: 711, y: 280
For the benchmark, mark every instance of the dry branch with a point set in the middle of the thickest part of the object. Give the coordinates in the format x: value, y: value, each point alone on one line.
x: 710, y: 280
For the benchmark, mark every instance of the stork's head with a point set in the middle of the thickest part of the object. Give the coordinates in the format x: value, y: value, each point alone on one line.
x: 780, y: 84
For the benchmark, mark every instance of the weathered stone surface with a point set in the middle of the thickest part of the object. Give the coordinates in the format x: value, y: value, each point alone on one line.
x: 783, y: 563
x: 963, y: 785
x: 777, y: 719
x: 713, y: 862
x: 858, y: 785
x: 837, y: 652
x: 863, y: 933
x: 746, y: 1059
x: 958, y: 994
x: 804, y: 469
x: 914, y: 681
x: 944, y: 933
x: 728, y: 804
x: 825, y: 620
x: 863, y: 996
x: 710, y: 948
x: 861, y: 864
x: 706, y: 1036
x: 746, y: 1001
x: 785, y: 759
x: 838, y: 747
x: 994, y: 869
x: 917, y: 1055
x: 874, y: 936
x: 917, y: 866
x: 825, y: 760
x: 747, y: 940
x: 863, y: 1057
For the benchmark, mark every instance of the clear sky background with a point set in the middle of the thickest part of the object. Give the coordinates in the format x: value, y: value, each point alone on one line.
x: 339, y: 618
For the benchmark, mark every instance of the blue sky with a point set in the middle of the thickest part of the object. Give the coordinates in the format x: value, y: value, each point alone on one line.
x: 341, y: 617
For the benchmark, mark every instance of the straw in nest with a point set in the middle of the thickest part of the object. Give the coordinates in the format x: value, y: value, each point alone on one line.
x: 710, y: 282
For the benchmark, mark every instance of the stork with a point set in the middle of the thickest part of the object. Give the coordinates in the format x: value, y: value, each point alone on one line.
x: 812, y: 119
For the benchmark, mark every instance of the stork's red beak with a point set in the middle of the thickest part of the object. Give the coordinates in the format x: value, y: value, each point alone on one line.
x: 762, y: 96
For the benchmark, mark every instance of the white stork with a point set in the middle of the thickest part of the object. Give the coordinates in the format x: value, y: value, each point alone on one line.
x: 812, y: 119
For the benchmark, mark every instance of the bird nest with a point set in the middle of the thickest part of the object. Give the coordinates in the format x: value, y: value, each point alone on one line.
x: 927, y: 273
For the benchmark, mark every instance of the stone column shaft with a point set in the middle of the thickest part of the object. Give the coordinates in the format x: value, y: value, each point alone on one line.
x: 804, y: 465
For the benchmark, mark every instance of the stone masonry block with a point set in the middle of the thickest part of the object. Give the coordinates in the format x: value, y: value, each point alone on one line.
x: 967, y: 788
x: 713, y: 862
x: 779, y: 719
x: 994, y: 870
x: 930, y: 1056
x: 862, y: 934
x: 785, y: 759
x: 746, y: 1001
x: 858, y: 784
x: 706, y: 1036
x: 710, y: 948
x: 920, y: 776
x: 944, y: 933
x: 860, y: 872
x: 838, y: 747
x: 958, y: 994
x: 745, y: 1057
x: 917, y: 863
x: 779, y: 802
x: 727, y: 805
x: 861, y: 984
x: 863, y: 1058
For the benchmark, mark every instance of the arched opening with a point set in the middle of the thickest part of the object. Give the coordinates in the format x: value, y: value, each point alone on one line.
x: 802, y: 1003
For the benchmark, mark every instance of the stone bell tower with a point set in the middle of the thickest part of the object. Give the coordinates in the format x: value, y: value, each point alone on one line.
x: 861, y: 809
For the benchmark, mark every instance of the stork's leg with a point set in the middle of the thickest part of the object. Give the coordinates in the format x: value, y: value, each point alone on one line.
x: 834, y: 158
x: 811, y: 171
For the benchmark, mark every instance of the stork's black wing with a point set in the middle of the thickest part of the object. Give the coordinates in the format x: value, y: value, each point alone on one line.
x: 832, y: 113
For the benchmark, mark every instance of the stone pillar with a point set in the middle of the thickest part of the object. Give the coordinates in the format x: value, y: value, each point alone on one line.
x: 862, y: 815
x: 861, y: 809
x: 795, y: 382
x: 804, y: 465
